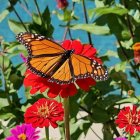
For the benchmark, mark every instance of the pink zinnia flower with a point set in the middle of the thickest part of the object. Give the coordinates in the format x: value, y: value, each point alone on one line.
x: 120, y: 138
x: 23, y: 132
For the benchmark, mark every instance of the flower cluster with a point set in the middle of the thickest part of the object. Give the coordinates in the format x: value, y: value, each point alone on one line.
x: 23, y: 132
x: 129, y: 119
x: 44, y: 113
x: 41, y: 84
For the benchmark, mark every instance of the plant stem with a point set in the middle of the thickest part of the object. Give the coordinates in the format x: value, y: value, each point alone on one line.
x: 66, y: 31
x: 81, y: 107
x: 114, y: 128
x: 66, y: 118
x: 137, y: 98
x: 47, y: 133
x: 18, y: 16
x: 128, y: 21
x: 129, y: 136
x: 86, y: 20
x: 37, y: 7
x: 25, y: 8
x: 95, y: 133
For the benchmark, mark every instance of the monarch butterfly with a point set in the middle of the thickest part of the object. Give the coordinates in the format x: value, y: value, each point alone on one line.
x: 50, y: 60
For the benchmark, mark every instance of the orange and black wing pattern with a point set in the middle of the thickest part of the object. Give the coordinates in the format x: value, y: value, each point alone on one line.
x: 44, y: 54
x: 84, y: 67
x: 48, y: 59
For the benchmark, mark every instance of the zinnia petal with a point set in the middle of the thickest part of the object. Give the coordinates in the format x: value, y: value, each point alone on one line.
x: 44, y: 113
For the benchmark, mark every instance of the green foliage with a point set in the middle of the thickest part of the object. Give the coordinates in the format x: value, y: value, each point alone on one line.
x: 109, y: 17
x: 92, y: 28
x: 107, y: 10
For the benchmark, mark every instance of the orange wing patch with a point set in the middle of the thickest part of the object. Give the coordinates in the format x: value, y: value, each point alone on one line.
x: 43, y: 65
x: 63, y: 74
x: 38, y: 45
x: 84, y: 67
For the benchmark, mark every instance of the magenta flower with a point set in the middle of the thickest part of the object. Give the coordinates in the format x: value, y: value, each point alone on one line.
x: 23, y: 132
x: 24, y: 59
x: 120, y: 138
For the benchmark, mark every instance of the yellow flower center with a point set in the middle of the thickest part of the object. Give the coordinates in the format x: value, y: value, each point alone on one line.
x: 43, y: 111
x: 22, y: 136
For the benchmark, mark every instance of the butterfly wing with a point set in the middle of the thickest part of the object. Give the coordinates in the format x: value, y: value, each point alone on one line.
x: 38, y: 45
x: 84, y: 67
x: 44, y: 54
x: 79, y: 67
x: 46, y: 58
x: 63, y: 75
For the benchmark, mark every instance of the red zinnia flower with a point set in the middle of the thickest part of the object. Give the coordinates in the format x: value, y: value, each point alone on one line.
x: 62, y: 4
x: 136, y: 48
x: 44, y: 112
x: 41, y: 84
x: 129, y: 119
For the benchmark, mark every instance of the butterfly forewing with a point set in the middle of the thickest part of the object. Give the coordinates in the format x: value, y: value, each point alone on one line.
x: 38, y: 45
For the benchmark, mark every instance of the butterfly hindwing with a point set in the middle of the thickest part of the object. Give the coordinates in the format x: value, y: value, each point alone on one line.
x: 85, y: 67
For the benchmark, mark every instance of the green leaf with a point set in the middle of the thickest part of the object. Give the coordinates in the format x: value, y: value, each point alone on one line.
x: 107, y: 10
x: 16, y: 79
x: 104, y: 87
x: 111, y: 54
x: 108, y: 101
x: 4, y: 61
x: 16, y: 27
x: 129, y: 100
x: 36, y: 19
x: 5, y: 116
x: 3, y: 102
x: 137, y: 136
x: 121, y: 66
x: 99, y: 3
x: 120, y: 79
x: 76, y: 1
x: 22, y: 68
x: 127, y: 43
x: 3, y: 15
x: 92, y: 28
x: 99, y: 115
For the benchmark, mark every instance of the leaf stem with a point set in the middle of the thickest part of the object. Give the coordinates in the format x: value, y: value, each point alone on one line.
x: 86, y: 20
x: 5, y: 85
x: 18, y: 16
x: 47, y: 133
x: 66, y: 118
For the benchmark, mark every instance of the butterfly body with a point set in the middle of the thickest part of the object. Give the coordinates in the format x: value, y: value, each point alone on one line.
x: 50, y: 60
